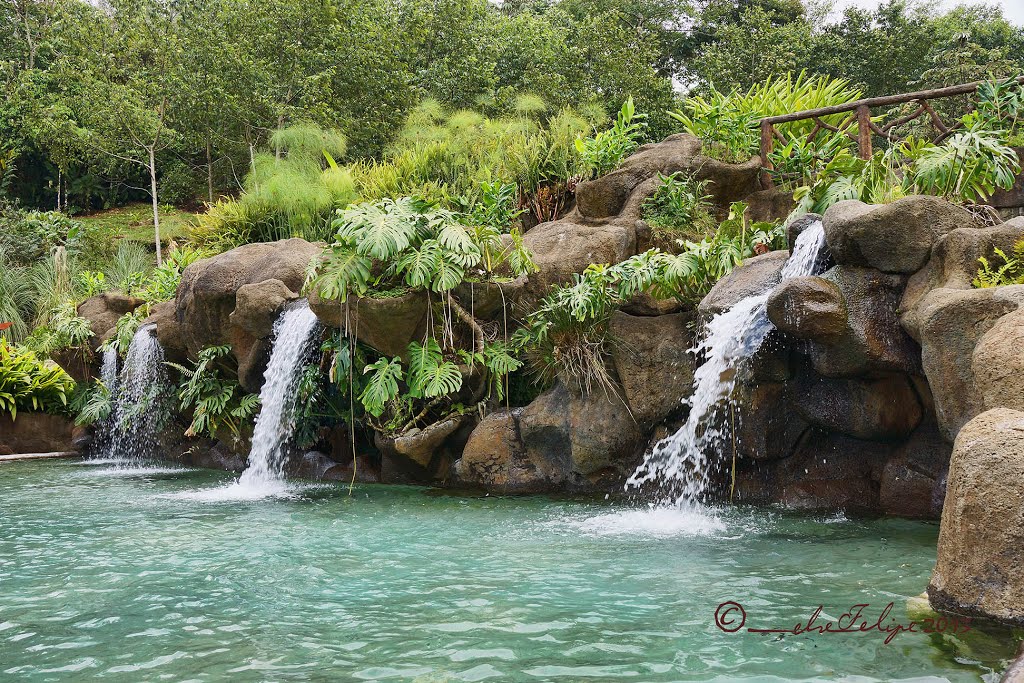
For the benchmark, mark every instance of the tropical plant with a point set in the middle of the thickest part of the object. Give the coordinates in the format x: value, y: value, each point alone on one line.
x: 1010, y: 272
x: 93, y: 405
x: 680, y: 205
x: 28, y: 236
x: 216, y: 401
x: 969, y: 166
x: 727, y: 122
x: 162, y: 283
x: 129, y: 266
x: 28, y: 383
x: 606, y: 149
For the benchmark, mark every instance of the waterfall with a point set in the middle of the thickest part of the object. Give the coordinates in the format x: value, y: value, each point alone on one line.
x: 103, y: 438
x: 140, y: 398
x: 678, y: 464
x: 294, y: 339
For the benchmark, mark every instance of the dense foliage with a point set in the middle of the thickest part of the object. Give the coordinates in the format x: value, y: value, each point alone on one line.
x: 30, y: 384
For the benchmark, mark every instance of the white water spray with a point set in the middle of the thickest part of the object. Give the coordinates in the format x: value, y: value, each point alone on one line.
x: 140, y: 397
x: 678, y: 464
x: 294, y: 338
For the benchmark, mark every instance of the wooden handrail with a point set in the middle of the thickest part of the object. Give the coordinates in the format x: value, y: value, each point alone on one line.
x: 861, y: 115
x: 880, y: 102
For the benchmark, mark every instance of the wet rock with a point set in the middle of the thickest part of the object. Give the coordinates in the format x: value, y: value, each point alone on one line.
x: 650, y: 355
x: 419, y: 446
x: 496, y: 459
x: 257, y: 307
x: 980, y: 568
x: 953, y: 321
x: 766, y: 425
x: 797, y: 226
x: 998, y: 363
x: 826, y: 471
x: 873, y: 342
x: 808, y: 308
x: 562, y: 248
x: 882, y: 409
x: 914, y: 479
x: 387, y: 324
x: 757, y: 275
x: 35, y: 433
x: 103, y: 311
x: 954, y: 265
x: 363, y: 471
x: 893, y: 238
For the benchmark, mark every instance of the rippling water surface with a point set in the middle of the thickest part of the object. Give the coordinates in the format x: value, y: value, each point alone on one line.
x: 136, y: 578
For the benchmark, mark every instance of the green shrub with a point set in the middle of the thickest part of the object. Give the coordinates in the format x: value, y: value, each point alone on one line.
x: 680, y: 205
x: 28, y: 383
x: 28, y: 236
x: 605, y: 150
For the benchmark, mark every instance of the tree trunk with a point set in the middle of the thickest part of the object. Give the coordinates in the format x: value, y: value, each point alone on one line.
x: 209, y: 172
x: 156, y: 210
x: 60, y: 176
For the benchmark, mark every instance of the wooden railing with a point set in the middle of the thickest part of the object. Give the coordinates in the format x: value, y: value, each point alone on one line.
x: 860, y: 112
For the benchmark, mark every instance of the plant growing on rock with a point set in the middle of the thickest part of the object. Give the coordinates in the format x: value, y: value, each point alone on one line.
x: 1011, y: 272
x: 680, y: 205
x: 215, y: 400
x: 409, y: 245
x: 567, y: 335
x: 606, y: 149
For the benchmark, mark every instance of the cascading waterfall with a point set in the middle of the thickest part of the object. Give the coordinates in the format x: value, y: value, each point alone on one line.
x: 140, y: 397
x: 294, y: 339
x: 143, y: 389
x: 678, y: 464
x: 103, y: 440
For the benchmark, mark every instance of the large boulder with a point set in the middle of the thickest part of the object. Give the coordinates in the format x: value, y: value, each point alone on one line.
x: 35, y: 433
x: 767, y: 426
x: 880, y: 409
x: 495, y: 459
x: 808, y: 307
x: 168, y: 331
x: 558, y: 442
x: 651, y: 357
x: 980, y: 566
x: 387, y: 324
x: 954, y: 265
x: 894, y: 238
x: 207, y: 295
x: 756, y: 275
x: 873, y: 342
x: 257, y: 307
x: 103, y: 311
x: 562, y: 248
x: 998, y: 363
x: 952, y: 322
x: 614, y: 193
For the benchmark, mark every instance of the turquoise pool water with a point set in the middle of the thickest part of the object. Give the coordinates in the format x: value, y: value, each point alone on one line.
x: 128, y: 577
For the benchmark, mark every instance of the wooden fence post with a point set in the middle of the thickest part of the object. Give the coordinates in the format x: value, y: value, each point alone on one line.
x: 767, y: 144
x: 864, y: 132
